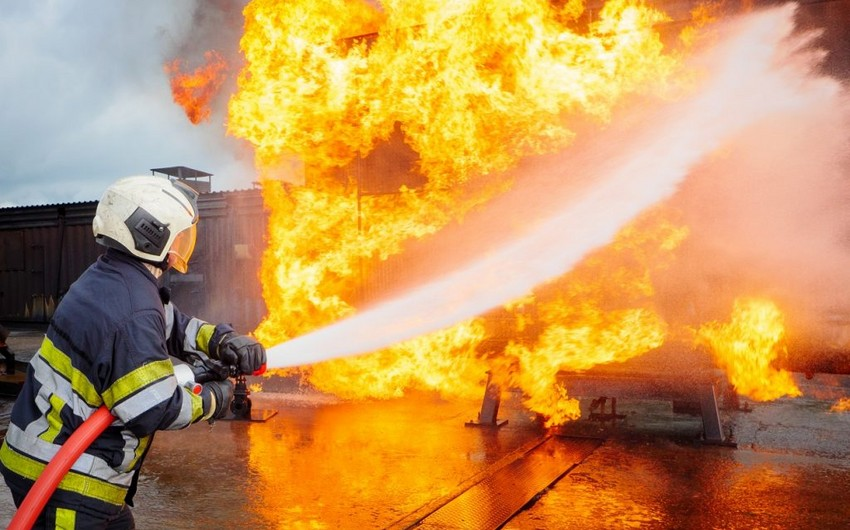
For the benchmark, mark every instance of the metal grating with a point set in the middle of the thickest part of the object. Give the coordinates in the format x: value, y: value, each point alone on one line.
x: 491, y: 502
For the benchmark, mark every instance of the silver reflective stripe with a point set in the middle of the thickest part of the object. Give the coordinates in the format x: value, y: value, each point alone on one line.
x: 131, y: 443
x: 169, y: 319
x: 145, y: 399
x: 41, y: 424
x: 185, y: 417
x: 58, y: 385
x: 53, y: 384
x: 42, y: 399
x: 45, y: 451
x: 190, y: 341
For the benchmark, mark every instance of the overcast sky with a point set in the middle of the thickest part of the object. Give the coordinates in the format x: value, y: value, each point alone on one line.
x: 85, y: 99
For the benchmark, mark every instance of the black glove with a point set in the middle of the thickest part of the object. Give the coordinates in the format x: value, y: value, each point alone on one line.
x: 217, y: 396
x: 243, y: 352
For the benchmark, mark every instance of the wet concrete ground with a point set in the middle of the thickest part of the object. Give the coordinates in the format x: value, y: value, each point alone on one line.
x: 661, y: 484
x: 323, y: 463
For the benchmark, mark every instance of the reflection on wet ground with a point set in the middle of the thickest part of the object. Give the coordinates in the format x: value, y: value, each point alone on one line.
x: 320, y: 465
x: 660, y: 485
x: 326, y: 464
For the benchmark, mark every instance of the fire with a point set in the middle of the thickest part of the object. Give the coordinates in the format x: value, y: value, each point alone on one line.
x: 842, y: 405
x: 601, y: 312
x: 473, y: 87
x: 446, y: 362
x: 747, y: 345
x: 195, y: 91
x: 701, y: 16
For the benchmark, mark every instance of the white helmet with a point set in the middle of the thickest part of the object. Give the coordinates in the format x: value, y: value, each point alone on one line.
x: 152, y: 218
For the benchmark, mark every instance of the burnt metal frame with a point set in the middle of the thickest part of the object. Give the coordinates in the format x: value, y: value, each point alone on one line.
x: 488, y: 416
x: 700, y: 388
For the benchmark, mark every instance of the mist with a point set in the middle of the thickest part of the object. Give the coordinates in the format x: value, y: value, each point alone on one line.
x: 768, y: 217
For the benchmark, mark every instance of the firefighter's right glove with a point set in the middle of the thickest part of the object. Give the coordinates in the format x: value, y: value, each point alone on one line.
x: 216, y: 396
x: 243, y: 352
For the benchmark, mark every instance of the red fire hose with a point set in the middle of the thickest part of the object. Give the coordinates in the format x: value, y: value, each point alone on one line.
x: 71, y: 450
x: 57, y: 468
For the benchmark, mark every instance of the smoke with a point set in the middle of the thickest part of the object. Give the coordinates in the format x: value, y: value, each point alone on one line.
x: 211, y: 32
x: 213, y: 25
x: 768, y: 213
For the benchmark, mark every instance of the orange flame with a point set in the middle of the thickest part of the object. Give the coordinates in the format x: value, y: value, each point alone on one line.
x: 747, y: 345
x: 475, y: 85
x: 445, y: 362
x: 195, y: 91
x: 842, y: 405
x: 472, y: 87
x: 701, y: 16
x: 601, y: 312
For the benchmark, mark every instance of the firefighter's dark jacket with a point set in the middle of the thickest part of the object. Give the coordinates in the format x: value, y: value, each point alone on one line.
x: 108, y: 343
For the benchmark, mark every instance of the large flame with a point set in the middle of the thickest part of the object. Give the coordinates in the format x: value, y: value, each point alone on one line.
x: 747, y: 345
x: 473, y: 87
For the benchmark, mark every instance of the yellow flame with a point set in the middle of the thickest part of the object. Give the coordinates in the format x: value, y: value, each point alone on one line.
x: 445, y: 361
x: 601, y: 312
x: 474, y: 84
x: 746, y: 346
x: 472, y: 87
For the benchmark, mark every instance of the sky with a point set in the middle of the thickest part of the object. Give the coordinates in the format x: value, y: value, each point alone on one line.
x: 85, y: 100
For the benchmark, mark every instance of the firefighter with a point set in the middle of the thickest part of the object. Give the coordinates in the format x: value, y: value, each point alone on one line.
x: 109, y: 344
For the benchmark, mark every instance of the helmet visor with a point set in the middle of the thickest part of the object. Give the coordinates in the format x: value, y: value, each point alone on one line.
x: 182, y: 248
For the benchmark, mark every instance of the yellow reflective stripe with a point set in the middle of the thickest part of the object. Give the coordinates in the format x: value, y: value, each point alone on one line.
x: 54, y: 421
x: 211, y: 410
x: 73, y: 481
x: 65, y: 519
x: 60, y: 362
x: 139, y: 378
x: 197, y: 406
x: 144, y: 441
x: 202, y: 339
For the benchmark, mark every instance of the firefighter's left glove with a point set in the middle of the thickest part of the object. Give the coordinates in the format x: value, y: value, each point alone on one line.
x: 216, y: 396
x: 243, y: 352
